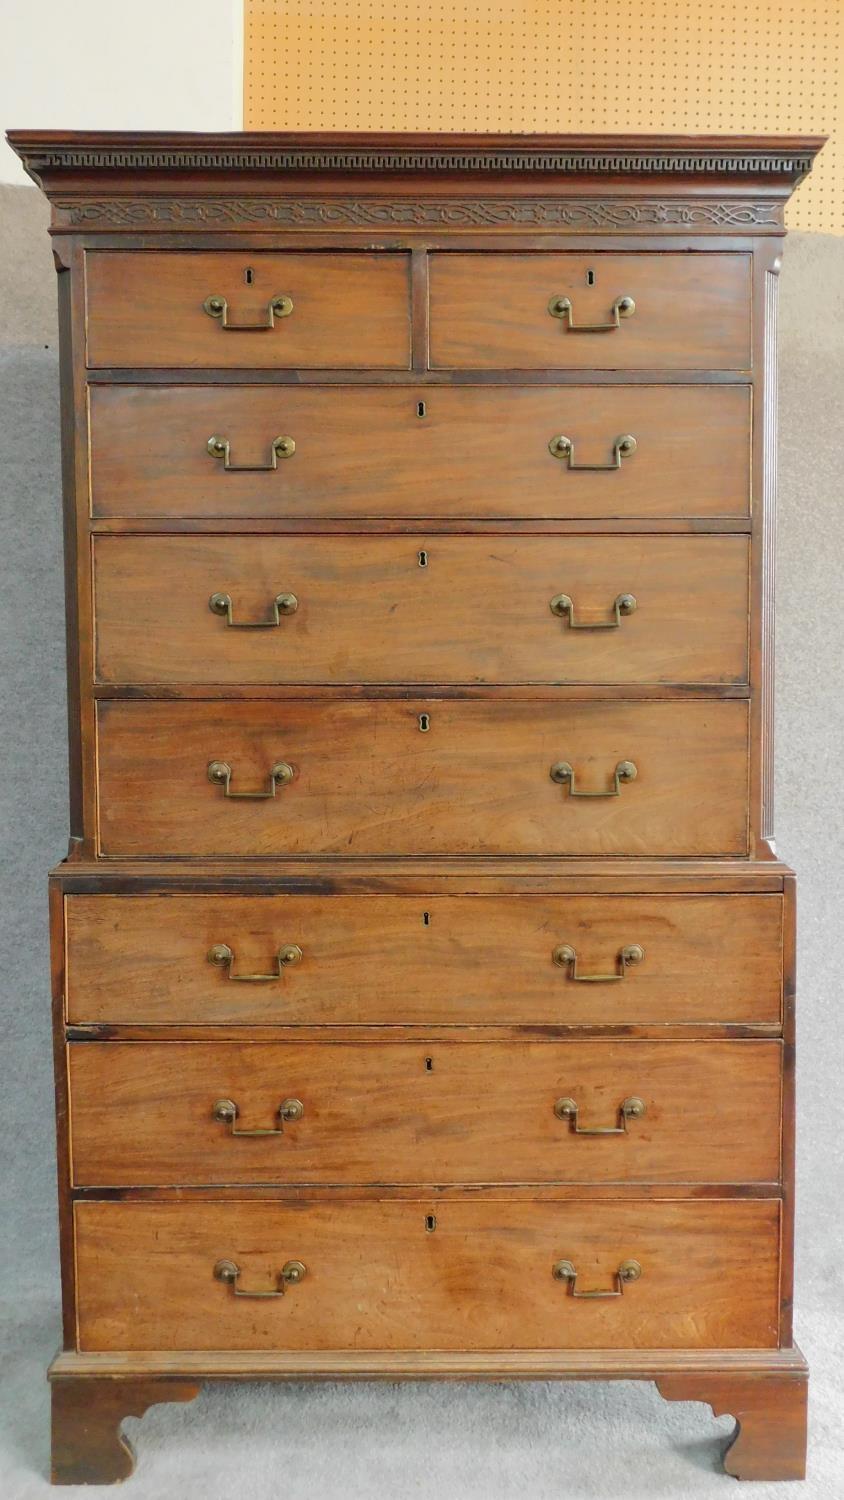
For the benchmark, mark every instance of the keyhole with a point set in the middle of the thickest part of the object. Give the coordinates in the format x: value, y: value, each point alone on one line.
x: 424, y: 722
x: 426, y: 919
x: 249, y: 275
x: 429, y: 1065
x: 422, y: 558
x: 430, y: 1223
x: 590, y: 278
x: 420, y: 409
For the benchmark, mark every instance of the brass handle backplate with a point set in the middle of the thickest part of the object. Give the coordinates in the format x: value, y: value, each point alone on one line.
x: 283, y: 604
x: 563, y: 773
x: 280, y: 447
x: 561, y: 307
x: 220, y: 774
x: 628, y: 1271
x: 562, y: 605
x: 226, y: 1112
x: 279, y: 306
x: 566, y: 957
x: 222, y: 956
x: 628, y: 1109
x: 563, y: 447
x: 291, y: 1273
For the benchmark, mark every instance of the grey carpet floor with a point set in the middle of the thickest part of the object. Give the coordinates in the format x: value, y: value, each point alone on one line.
x: 368, y: 1441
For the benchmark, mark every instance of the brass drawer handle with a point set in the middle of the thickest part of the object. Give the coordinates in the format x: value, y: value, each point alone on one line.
x: 283, y: 604
x: 225, y: 1111
x: 562, y: 605
x: 560, y: 307
x: 628, y: 1271
x: 291, y: 1273
x: 562, y: 772
x: 563, y: 447
x: 628, y: 1109
x: 220, y: 774
x: 566, y: 957
x: 280, y: 447
x: 222, y: 956
x: 277, y: 307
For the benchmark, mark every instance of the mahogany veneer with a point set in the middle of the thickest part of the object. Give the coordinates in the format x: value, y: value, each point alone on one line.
x: 423, y: 972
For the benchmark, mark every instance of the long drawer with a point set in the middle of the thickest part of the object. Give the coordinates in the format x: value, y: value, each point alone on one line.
x: 422, y: 777
x: 427, y: 1274
x: 435, y: 1112
x: 427, y: 959
x: 262, y: 609
x: 586, y: 311
x: 420, y: 451
x: 247, y: 309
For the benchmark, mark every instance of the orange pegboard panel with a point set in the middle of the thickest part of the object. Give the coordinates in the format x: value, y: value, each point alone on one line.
x: 556, y: 65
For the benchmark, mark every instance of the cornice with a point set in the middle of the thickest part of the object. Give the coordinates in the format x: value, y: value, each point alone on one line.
x: 48, y: 153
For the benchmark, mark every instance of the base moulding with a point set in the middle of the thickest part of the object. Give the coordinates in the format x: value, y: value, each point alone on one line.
x: 764, y: 1390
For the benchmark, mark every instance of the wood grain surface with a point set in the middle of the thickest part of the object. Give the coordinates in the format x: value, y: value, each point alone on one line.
x: 142, y: 1113
x: 422, y: 609
x: 365, y: 451
x: 425, y: 959
x: 146, y: 309
x: 368, y: 780
x: 491, y: 311
x: 377, y: 1278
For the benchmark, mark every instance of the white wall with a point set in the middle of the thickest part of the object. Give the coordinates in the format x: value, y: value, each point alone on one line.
x: 119, y: 65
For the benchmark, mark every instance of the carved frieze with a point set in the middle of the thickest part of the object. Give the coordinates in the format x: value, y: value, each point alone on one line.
x: 444, y: 213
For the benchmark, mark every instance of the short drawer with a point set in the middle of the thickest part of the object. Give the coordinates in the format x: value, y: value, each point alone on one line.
x: 422, y: 777
x: 263, y: 610
x: 587, y: 311
x: 434, y: 1112
x: 245, y: 310
x: 423, y: 451
x: 488, y: 1275
x: 428, y: 959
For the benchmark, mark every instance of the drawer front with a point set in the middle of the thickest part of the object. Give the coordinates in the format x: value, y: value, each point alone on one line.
x: 377, y: 1278
x: 345, y: 311
x: 424, y: 777
x: 433, y: 1112
x: 476, y: 451
x: 632, y: 609
x: 493, y: 311
x: 453, y: 960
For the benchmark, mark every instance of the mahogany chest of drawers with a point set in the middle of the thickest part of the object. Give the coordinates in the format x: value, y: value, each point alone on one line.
x: 423, y: 971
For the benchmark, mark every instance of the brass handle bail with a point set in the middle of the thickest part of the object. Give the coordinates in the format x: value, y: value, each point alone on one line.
x: 562, y: 447
x: 563, y: 774
x: 226, y: 1112
x: 629, y: 1270
x: 291, y: 1273
x: 222, y: 956
x: 566, y: 958
x: 283, y: 604
x: 562, y: 605
x: 561, y: 307
x: 628, y: 1109
x: 220, y: 774
x: 281, y: 447
x: 279, y: 306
